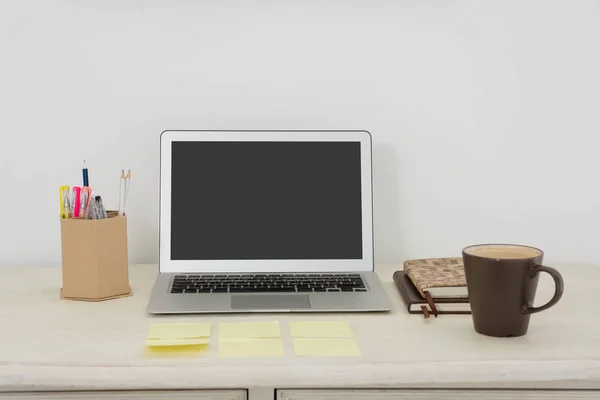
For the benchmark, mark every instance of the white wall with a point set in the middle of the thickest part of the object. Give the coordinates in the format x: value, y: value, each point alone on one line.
x: 485, y: 114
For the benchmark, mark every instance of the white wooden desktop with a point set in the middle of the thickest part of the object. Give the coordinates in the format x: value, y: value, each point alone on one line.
x: 61, y: 349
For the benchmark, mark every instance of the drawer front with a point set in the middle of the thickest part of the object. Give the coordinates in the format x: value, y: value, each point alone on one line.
x: 130, y: 395
x: 435, y: 394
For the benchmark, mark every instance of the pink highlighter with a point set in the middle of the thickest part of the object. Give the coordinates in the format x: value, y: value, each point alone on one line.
x: 76, y: 201
x: 86, y: 195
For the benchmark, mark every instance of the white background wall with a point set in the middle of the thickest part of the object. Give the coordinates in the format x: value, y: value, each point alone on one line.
x: 485, y: 114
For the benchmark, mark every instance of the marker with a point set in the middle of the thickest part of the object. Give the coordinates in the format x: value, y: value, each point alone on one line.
x: 92, y: 209
x: 101, y: 210
x: 65, y: 201
x: 86, y: 181
x: 86, y: 194
x: 76, y: 201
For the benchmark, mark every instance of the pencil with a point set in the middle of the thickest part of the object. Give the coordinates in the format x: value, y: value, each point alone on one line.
x: 86, y: 180
x: 122, y: 194
x: 127, y: 185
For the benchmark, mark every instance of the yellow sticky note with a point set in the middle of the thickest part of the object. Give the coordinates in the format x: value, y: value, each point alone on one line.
x: 250, y: 347
x: 317, y: 329
x: 340, y: 347
x: 177, y: 351
x: 249, y: 330
x: 176, y: 342
x: 179, y: 331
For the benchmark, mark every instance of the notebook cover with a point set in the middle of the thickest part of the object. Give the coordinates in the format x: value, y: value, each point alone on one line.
x: 428, y: 273
x: 411, y: 295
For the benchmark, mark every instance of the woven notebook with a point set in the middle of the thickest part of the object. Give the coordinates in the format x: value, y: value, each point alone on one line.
x: 441, y: 277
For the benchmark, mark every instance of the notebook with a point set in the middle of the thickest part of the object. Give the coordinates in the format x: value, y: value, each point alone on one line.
x: 441, y: 277
x: 415, y: 303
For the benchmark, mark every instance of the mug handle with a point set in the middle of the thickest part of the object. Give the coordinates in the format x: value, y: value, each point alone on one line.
x: 558, y: 292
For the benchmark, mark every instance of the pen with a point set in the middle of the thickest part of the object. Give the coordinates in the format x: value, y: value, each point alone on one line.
x: 100, y: 208
x: 86, y: 181
x: 76, y: 201
x: 95, y: 209
x: 65, y: 201
x: 92, y: 210
x: 122, y: 194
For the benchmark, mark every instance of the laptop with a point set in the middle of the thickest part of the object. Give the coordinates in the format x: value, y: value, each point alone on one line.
x: 266, y: 221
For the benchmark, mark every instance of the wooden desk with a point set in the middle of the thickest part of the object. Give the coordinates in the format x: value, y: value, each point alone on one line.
x: 96, y: 350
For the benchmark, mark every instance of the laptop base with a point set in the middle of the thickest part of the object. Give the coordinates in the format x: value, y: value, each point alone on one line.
x: 162, y: 301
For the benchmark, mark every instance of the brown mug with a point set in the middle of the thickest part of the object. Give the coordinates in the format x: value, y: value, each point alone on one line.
x: 502, y: 280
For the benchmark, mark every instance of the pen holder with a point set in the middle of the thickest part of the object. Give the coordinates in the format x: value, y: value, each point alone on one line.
x: 94, y: 258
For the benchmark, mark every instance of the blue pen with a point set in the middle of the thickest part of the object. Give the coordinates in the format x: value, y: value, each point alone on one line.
x: 86, y: 181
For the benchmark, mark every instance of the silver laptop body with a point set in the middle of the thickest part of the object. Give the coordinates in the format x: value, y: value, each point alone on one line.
x: 266, y: 221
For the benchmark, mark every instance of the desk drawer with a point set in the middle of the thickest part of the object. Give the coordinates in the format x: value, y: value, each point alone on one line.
x: 435, y: 394
x: 130, y: 395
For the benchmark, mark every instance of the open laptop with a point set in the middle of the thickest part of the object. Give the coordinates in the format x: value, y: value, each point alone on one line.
x: 266, y: 221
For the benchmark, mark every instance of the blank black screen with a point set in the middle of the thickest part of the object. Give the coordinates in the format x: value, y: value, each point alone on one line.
x: 266, y: 200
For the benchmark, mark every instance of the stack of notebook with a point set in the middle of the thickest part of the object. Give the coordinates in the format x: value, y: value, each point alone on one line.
x: 434, y: 286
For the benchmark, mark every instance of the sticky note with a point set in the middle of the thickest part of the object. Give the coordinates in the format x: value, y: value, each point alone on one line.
x: 177, y: 342
x: 339, y: 347
x: 317, y: 329
x: 179, y: 331
x: 176, y: 351
x: 250, y: 347
x: 249, y: 330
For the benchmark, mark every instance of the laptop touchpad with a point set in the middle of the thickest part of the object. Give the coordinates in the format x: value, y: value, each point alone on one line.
x: 269, y: 302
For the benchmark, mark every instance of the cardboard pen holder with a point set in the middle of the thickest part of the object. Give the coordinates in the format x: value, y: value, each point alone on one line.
x: 94, y: 258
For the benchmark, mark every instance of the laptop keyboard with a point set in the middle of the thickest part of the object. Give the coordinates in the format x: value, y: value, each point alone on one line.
x: 261, y: 283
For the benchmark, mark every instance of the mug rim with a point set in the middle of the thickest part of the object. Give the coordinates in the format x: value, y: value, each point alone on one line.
x: 502, y: 244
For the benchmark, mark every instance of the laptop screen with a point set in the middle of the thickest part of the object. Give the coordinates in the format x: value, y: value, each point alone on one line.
x: 266, y: 200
